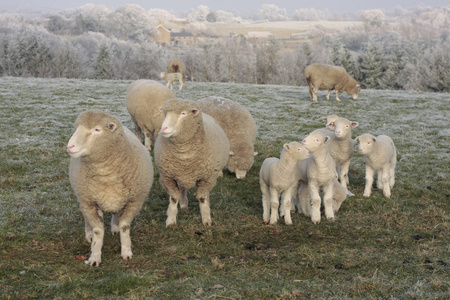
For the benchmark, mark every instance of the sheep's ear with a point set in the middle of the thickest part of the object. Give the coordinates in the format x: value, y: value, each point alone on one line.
x: 374, y: 139
x: 111, y: 126
x: 255, y: 153
x: 194, y: 111
x: 357, y: 139
x: 161, y: 110
x: 331, y: 125
x: 286, y: 146
x: 324, y: 118
x: 326, y: 139
x: 231, y: 153
x: 354, y: 124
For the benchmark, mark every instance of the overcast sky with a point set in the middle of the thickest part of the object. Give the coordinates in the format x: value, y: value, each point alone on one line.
x: 337, y: 6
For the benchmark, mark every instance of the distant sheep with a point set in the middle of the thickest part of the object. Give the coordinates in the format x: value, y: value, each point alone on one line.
x: 191, y: 150
x: 173, y: 78
x: 110, y: 171
x: 144, y: 99
x: 381, y: 157
x: 176, y: 66
x: 279, y: 176
x: 240, y: 129
x: 320, y: 171
x: 325, y: 77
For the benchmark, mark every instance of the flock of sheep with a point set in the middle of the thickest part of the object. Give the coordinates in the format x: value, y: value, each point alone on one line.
x: 111, y: 169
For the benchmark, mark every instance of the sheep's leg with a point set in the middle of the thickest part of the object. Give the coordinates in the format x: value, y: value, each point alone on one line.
x: 311, y: 91
x: 94, y: 217
x: 343, y: 174
x: 183, y: 198
x: 314, y: 95
x: 392, y: 173
x: 369, y: 181
x: 274, y: 204
x: 88, y: 231
x: 147, y: 142
x: 265, y: 202
x: 328, y: 200
x: 205, y: 210
x: 337, y: 95
x: 385, y: 180
x: 328, y: 95
x: 181, y: 83
x: 294, y: 201
x: 174, y: 196
x: 305, y: 202
x: 138, y: 131
x: 379, y: 179
x: 125, y: 218
x: 315, y: 202
x: 287, y: 198
x: 115, y: 224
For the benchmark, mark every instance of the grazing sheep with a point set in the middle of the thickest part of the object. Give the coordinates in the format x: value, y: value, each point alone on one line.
x: 191, y: 150
x: 320, y: 171
x: 279, y: 176
x: 341, y: 146
x: 110, y: 171
x: 325, y: 77
x: 381, y: 157
x: 173, y: 78
x: 240, y: 129
x: 144, y: 99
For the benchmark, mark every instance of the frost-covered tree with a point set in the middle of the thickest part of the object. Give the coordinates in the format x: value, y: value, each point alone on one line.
x: 272, y: 12
x: 310, y: 14
x: 373, y: 17
x: 199, y: 14
x: 157, y: 14
x: 267, y: 62
x: 130, y: 22
x: 103, y: 68
x: 371, y: 66
x: 91, y: 17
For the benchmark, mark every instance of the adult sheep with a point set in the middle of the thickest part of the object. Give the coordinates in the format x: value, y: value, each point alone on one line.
x: 325, y: 77
x: 110, y: 172
x: 240, y: 128
x: 144, y: 99
x: 381, y: 157
x: 191, y: 150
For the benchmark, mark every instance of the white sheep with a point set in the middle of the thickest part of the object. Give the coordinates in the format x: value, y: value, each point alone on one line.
x: 240, y: 128
x: 110, y: 171
x: 325, y: 77
x: 341, y: 146
x: 144, y: 99
x: 173, y: 78
x: 279, y: 176
x: 191, y: 150
x: 381, y: 157
x: 320, y: 171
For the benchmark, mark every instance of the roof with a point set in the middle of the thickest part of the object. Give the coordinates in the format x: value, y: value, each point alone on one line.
x: 181, y: 34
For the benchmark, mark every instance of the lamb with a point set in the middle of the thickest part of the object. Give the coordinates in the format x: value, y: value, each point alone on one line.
x: 144, y: 99
x: 191, y: 150
x: 279, y: 176
x: 110, y: 171
x: 381, y: 157
x: 172, y: 78
x: 318, y: 172
x: 326, y: 77
x: 240, y: 129
x: 341, y: 146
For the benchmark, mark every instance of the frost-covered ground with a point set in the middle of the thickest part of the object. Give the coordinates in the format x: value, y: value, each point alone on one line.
x: 38, y: 205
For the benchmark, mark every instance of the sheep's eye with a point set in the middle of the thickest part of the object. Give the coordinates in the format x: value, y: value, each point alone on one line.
x: 97, y: 130
x: 183, y: 113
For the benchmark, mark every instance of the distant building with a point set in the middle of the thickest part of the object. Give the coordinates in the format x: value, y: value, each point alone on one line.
x: 164, y: 36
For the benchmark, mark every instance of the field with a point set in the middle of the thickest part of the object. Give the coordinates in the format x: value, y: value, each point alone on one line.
x: 377, y: 248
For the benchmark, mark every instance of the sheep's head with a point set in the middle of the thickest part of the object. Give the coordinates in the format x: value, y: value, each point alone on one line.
x: 181, y: 118
x: 329, y: 119
x: 95, y: 134
x: 240, y: 164
x: 315, y: 141
x: 354, y: 91
x: 366, y: 143
x: 342, y: 127
x: 163, y: 74
x: 295, y: 150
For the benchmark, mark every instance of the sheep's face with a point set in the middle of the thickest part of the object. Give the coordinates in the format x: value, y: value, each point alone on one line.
x: 174, y: 121
x: 342, y: 127
x: 354, y: 91
x: 314, y: 141
x: 296, y: 150
x: 84, y: 141
x: 240, y: 164
x: 366, y: 143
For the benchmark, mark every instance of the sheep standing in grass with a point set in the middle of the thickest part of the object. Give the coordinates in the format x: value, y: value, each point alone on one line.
x: 279, y: 176
x: 341, y: 146
x: 144, y: 99
x: 172, y: 78
x: 191, y: 150
x: 240, y: 129
x: 325, y: 77
x: 381, y: 157
x: 320, y: 171
x: 110, y: 171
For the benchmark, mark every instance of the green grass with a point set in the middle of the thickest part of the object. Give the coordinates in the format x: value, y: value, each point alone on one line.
x: 377, y: 248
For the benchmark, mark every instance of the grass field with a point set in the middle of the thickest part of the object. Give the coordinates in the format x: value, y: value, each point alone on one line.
x: 377, y: 248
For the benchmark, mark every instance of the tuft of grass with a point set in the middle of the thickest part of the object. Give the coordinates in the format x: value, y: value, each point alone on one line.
x: 376, y: 248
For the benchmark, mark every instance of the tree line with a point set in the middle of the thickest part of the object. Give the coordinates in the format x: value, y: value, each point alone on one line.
x: 410, y: 51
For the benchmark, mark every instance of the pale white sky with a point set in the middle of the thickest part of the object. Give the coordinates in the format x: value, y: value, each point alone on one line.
x: 337, y: 6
